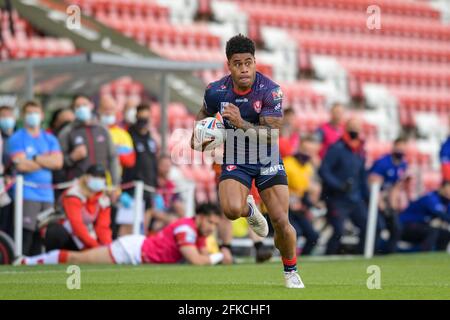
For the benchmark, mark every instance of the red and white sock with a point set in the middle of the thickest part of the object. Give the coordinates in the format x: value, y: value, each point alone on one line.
x: 51, y: 257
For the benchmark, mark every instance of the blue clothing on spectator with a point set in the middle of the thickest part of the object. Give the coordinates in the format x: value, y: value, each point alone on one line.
x: 390, y: 171
x: 343, y: 174
x: 423, y: 210
x: 22, y: 142
x: 444, y: 154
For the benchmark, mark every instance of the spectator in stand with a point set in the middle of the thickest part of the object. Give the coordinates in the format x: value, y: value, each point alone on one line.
x: 168, y: 205
x: 85, y: 143
x: 7, y: 122
x: 300, y: 174
x: 88, y: 214
x: 444, y: 156
x: 290, y: 135
x: 344, y: 182
x: 7, y: 127
x: 390, y: 172
x: 35, y: 153
x: 120, y: 138
x: 416, y: 220
x: 144, y: 170
x: 332, y: 131
x: 130, y: 113
x: 60, y: 119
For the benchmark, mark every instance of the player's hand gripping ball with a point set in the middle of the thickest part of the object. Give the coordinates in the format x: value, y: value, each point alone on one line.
x: 209, y: 133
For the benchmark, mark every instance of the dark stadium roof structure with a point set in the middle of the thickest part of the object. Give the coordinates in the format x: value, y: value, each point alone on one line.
x: 88, y: 72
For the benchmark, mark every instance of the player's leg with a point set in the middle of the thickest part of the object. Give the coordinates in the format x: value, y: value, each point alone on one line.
x: 100, y: 255
x: 236, y: 202
x: 233, y: 198
x: 225, y: 231
x: 276, y: 199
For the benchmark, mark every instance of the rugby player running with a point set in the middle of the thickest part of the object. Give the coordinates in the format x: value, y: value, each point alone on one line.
x: 251, y: 102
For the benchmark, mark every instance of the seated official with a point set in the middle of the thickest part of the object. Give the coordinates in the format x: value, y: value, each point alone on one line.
x: 88, y: 214
x: 416, y: 219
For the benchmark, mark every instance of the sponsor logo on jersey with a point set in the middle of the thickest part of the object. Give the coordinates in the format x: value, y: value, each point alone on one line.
x: 222, y: 106
x: 277, y: 94
x: 278, y: 107
x: 240, y: 100
x: 257, y: 106
x: 231, y: 167
x: 272, y: 170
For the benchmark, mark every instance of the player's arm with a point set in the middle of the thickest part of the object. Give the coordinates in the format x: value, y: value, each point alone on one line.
x: 265, y: 128
x: 193, y: 256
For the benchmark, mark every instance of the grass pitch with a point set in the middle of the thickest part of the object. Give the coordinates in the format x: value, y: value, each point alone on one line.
x: 408, y: 276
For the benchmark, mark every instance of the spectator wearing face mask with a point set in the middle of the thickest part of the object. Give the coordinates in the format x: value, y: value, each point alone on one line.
x: 7, y: 127
x: 129, y: 113
x: 344, y: 182
x: 86, y: 142
x: 390, y: 172
x: 35, y: 153
x: 7, y: 122
x: 331, y: 131
x: 145, y: 169
x: 59, y: 119
x: 120, y: 138
x: 88, y: 214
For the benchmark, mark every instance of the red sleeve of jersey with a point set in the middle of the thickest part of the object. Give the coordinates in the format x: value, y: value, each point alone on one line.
x: 128, y: 160
x: 72, y: 206
x: 185, y: 236
x: 102, y: 226
x: 446, y: 171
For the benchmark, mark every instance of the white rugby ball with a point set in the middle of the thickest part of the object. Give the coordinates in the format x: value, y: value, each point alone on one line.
x: 210, y: 130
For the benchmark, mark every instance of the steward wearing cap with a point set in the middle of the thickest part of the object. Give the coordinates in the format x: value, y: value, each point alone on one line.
x: 88, y: 214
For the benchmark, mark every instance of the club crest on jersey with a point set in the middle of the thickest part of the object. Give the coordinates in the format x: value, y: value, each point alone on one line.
x: 277, y: 94
x: 257, y: 106
x: 231, y: 167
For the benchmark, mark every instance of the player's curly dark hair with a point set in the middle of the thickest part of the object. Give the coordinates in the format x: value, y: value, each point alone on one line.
x: 239, y: 44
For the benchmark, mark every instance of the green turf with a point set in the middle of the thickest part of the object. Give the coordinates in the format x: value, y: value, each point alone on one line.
x: 409, y: 276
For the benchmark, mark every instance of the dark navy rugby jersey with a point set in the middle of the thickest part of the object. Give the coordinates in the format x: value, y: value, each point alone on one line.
x: 391, y: 172
x: 263, y: 99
